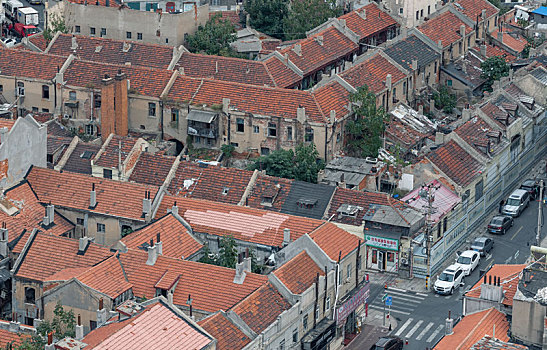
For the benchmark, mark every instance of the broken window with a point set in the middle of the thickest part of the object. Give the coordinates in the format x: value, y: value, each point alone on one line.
x: 30, y: 295
x: 107, y: 173
x: 45, y: 92
x: 289, y: 133
x: 240, y: 125
x: 151, y: 109
x: 272, y: 130
x: 308, y: 137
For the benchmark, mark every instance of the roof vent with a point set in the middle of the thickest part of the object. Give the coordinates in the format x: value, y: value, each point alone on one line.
x: 126, y: 47
x: 98, y: 48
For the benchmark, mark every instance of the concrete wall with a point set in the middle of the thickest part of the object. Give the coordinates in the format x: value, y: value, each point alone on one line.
x: 406, y: 9
x: 528, y: 320
x: 33, y: 93
x: 158, y: 28
x: 19, y: 306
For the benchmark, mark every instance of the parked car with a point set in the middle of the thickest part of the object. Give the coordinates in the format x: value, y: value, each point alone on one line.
x: 482, y: 245
x: 388, y: 343
x: 516, y: 203
x: 500, y: 224
x: 532, y: 187
x: 449, y: 280
x: 468, y: 261
x: 9, y: 42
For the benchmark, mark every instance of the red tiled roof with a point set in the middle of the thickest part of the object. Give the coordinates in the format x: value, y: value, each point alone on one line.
x: 315, y: 55
x: 276, y: 188
x: 513, y: 40
x: 281, y: 73
x: 39, y: 41
x: 456, y: 163
x: 404, y: 135
x: 333, y: 97
x: 299, y: 273
x: 71, y: 190
x: 496, y: 114
x: 507, y: 274
x: 78, y: 164
x: 112, y: 51
x: 112, y: 154
x: 28, y: 64
x: 111, y: 3
x: 333, y: 240
x: 228, y: 335
x: 358, y: 198
x: 213, y: 183
x: 156, y: 326
x: 473, y: 327
x: 44, y: 249
x: 445, y: 27
x: 474, y: 133
x: 231, y: 16
x: 152, y: 169
x: 494, y: 51
x: 473, y: 8
x: 7, y: 337
x: 6, y: 123
x: 376, y: 21
x: 261, y: 308
x: 177, y: 243
x: 143, y: 81
x: 373, y: 72
x: 243, y: 223
x: 107, y: 278
x: 226, y: 68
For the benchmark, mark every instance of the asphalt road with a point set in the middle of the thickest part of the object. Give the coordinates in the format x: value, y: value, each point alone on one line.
x: 421, y: 316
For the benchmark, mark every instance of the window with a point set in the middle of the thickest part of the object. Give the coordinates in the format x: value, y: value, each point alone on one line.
x: 478, y: 190
x: 339, y: 275
x: 272, y: 130
x: 100, y: 227
x: 338, y: 137
x: 77, y: 29
x: 35, y: 109
x: 103, y: 31
x: 72, y: 95
x: 80, y: 221
x: 421, y: 13
x: 30, y: 295
x: 401, y: 10
x: 264, y: 151
x: 295, y: 335
x: 139, y: 36
x: 460, y: 47
x: 107, y: 173
x: 256, y: 129
x: 327, y: 304
x: 445, y: 224
x: 429, y: 9
x: 240, y: 125
x: 92, y: 325
x: 92, y: 31
x: 449, y: 82
x: 45, y: 92
x: 308, y: 137
x: 174, y: 115
x: 289, y: 133
x: 45, y: 110
x: 20, y: 88
x: 417, y: 15
x: 142, y: 127
x: 468, y: 41
x: 97, y: 100
x: 1, y: 88
x: 167, y: 40
x: 225, y: 191
x: 197, y: 139
x: 282, y: 345
x: 439, y: 230
x: 89, y: 129
x: 435, y: 69
x: 317, y: 312
x: 348, y: 271
x: 151, y: 109
x: 128, y: 35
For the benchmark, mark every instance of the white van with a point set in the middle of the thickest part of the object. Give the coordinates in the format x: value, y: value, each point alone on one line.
x: 11, y: 8
x: 516, y: 203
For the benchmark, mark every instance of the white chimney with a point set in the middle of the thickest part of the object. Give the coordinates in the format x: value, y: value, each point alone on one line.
x: 92, y: 198
x: 174, y: 208
x: 50, y: 215
x: 152, y: 254
x: 101, y: 314
x: 301, y: 114
x: 239, y: 278
x: 297, y: 49
x: 483, y: 51
x: 159, y: 244
x: 363, y: 14
x: 388, y: 82
x: 83, y: 243
x: 500, y: 36
x: 319, y: 39
x: 79, y: 329
x: 286, y: 236
x: 332, y: 117
x: 414, y: 64
x: 170, y: 297
x: 14, y: 327
x: 462, y: 30
x: 146, y: 204
x: 4, y: 239
x: 74, y: 43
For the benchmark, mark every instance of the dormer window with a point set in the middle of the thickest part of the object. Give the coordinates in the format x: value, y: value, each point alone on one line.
x: 225, y: 191
x: 267, y: 201
x: 307, y: 203
x: 348, y: 210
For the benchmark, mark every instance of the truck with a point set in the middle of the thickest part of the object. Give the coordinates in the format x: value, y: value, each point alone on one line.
x: 27, y: 16
x: 21, y: 30
x: 11, y: 7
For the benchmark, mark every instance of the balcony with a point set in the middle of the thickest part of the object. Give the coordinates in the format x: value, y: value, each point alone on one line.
x: 210, y: 133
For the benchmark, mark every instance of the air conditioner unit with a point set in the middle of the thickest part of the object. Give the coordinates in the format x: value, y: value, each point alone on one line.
x: 20, y: 91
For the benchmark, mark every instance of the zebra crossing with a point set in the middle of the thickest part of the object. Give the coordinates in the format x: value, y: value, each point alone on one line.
x: 403, y: 302
x: 412, y: 329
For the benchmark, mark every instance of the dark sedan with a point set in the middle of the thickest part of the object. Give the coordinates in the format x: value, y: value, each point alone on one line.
x: 500, y: 224
x: 532, y: 187
x: 388, y: 343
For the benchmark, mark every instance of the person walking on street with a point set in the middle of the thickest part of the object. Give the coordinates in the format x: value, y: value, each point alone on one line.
x: 502, y: 202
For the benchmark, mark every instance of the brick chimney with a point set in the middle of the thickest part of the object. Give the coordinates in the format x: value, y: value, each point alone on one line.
x: 50, y: 215
x: 4, y: 239
x: 92, y: 197
x: 146, y: 204
x: 101, y: 314
x: 114, y: 105
x: 79, y: 329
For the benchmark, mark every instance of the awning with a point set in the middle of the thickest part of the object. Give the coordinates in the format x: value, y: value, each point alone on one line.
x: 201, y: 116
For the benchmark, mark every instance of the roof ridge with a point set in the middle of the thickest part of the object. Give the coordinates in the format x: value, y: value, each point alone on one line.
x: 476, y: 326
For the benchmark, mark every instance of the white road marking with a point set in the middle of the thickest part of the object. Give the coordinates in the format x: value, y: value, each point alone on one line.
x: 426, y: 329
x: 432, y: 336
x: 403, y: 327
x: 392, y: 310
x: 423, y: 295
x: 414, y: 329
x: 397, y: 289
x: 405, y: 296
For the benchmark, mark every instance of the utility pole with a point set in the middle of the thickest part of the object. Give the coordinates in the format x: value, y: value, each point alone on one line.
x: 427, y: 193
x: 540, y: 205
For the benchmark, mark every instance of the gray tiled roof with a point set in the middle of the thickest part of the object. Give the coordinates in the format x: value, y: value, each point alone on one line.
x: 78, y: 164
x: 411, y: 48
x: 307, y: 199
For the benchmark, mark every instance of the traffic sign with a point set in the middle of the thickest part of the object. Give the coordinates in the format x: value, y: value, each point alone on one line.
x: 384, y: 297
x: 389, y: 301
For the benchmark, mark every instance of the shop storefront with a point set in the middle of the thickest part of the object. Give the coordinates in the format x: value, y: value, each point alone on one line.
x: 321, y: 336
x: 382, y: 252
x: 346, y: 317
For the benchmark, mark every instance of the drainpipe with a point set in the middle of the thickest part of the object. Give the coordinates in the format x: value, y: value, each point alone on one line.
x: 161, y: 120
x: 229, y: 128
x: 326, y: 140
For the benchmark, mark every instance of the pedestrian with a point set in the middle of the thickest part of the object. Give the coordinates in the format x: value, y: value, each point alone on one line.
x: 502, y: 202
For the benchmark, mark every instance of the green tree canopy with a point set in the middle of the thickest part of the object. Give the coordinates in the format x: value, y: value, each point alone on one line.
x: 493, y: 68
x: 445, y: 100
x: 213, y: 38
x: 304, y: 15
x: 267, y: 16
x: 364, y: 134
x: 301, y: 164
x: 56, y: 24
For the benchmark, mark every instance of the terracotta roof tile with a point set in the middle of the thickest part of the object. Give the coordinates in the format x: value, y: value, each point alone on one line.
x: 228, y: 335
x: 375, y: 21
x: 112, y: 153
x: 490, y: 343
x: 373, y: 72
x: 57, y: 129
x: 333, y: 240
x: 405, y: 136
x: 269, y: 187
x: 177, y: 243
x: 54, y: 143
x: 473, y: 327
x: 494, y: 51
x: 507, y: 274
x: 112, y: 51
x: 243, y: 223
x: 154, y: 326
x: 7, y: 337
x: 283, y: 75
x: 445, y: 27
x: 357, y: 198
x: 71, y: 190
x: 497, y: 115
x: 315, y: 56
x: 456, y: 163
x: 299, y: 273
x: 512, y: 40
x: 79, y: 160
x: 107, y: 278
x: 107, y: 3
x: 27, y: 64
x: 333, y: 97
x: 39, y: 41
x: 232, y: 16
x: 45, y: 248
x: 261, y: 308
x: 473, y: 8
x: 152, y: 169
x: 475, y: 133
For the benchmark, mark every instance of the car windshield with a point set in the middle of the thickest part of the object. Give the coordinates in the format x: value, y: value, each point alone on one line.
x: 447, y: 277
x: 478, y: 244
x: 513, y: 202
x: 497, y: 221
x: 464, y: 260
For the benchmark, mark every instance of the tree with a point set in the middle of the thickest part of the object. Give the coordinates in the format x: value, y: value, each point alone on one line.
x: 307, y: 14
x: 267, y: 16
x: 301, y: 164
x: 364, y: 133
x: 445, y: 100
x: 213, y: 38
x: 227, y: 254
x: 493, y: 68
x: 56, y: 24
